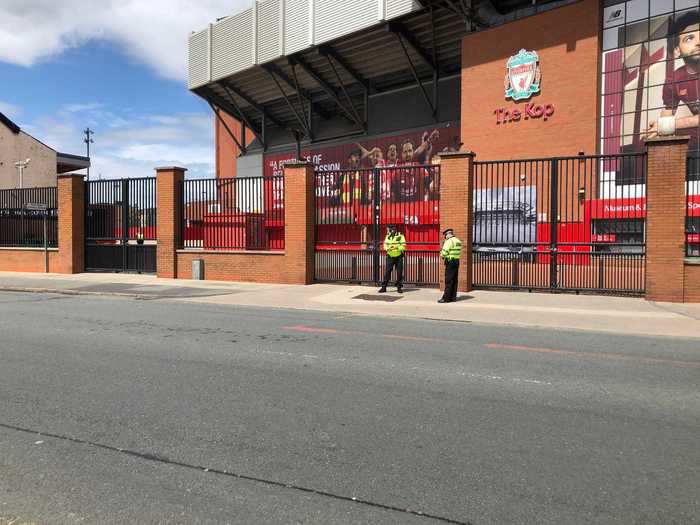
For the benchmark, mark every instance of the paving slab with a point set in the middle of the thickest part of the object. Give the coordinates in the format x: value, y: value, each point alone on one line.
x: 627, y: 315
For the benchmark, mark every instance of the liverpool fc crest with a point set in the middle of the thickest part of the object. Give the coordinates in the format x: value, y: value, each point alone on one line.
x: 523, y: 75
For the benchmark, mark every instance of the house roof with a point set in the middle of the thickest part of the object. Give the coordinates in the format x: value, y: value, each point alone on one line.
x: 14, y: 128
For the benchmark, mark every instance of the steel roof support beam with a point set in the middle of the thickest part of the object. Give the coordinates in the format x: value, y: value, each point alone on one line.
x: 400, y: 31
x: 271, y: 68
x: 258, y: 107
x: 416, y: 77
x: 301, y: 120
x: 327, y: 51
x: 241, y: 148
x: 244, y: 119
x: 330, y: 90
x: 358, y: 120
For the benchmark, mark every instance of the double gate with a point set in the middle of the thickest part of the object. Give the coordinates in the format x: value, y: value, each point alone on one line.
x: 572, y: 223
x: 353, y: 210
x: 120, y: 225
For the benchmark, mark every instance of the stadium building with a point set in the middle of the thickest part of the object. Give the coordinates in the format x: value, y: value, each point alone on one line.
x: 367, y: 84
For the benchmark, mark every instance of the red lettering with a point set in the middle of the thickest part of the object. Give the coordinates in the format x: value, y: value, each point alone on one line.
x: 515, y: 115
x: 499, y: 115
x: 548, y: 111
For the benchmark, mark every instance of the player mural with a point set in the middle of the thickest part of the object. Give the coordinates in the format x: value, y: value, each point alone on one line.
x: 651, y: 62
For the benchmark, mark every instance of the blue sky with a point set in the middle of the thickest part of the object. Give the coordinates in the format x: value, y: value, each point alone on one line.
x: 117, y: 67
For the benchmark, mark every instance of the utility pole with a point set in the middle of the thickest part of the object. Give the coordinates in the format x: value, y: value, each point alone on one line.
x: 88, y: 140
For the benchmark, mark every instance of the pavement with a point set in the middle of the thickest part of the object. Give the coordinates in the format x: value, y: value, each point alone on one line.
x: 625, y: 315
x: 136, y: 409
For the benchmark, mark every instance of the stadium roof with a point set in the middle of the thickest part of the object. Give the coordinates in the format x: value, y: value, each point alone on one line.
x: 282, y: 64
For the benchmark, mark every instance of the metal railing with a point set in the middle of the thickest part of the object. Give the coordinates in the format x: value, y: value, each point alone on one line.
x: 233, y: 214
x: 22, y: 224
x: 567, y: 223
x: 692, y: 218
x: 354, y: 208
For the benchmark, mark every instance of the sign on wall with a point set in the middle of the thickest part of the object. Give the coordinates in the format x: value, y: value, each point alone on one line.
x: 523, y: 75
x: 522, y: 82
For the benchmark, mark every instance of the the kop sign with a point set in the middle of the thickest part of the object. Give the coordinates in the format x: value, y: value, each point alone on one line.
x: 523, y: 79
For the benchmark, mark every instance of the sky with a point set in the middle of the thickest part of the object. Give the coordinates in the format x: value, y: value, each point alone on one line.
x: 116, y: 66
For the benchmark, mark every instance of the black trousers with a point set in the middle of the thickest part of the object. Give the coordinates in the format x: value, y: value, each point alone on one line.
x: 392, y: 262
x: 451, y: 273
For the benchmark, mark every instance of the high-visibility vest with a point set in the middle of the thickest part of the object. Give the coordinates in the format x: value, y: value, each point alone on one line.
x: 451, y: 249
x: 395, y: 244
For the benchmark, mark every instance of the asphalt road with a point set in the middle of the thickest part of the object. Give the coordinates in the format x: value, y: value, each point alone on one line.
x: 136, y: 411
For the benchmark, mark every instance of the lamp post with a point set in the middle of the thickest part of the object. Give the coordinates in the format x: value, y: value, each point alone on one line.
x: 21, y: 165
x: 88, y: 140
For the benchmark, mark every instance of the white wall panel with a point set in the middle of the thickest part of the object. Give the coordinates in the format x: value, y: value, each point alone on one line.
x: 268, y: 33
x: 335, y: 18
x: 296, y: 26
x: 198, y: 59
x: 232, y: 45
x: 396, y: 8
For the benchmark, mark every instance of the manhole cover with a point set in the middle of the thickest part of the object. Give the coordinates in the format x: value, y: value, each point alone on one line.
x: 385, y: 298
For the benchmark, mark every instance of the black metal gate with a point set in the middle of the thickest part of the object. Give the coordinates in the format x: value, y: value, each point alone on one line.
x: 353, y: 209
x: 120, y: 225
x: 568, y: 223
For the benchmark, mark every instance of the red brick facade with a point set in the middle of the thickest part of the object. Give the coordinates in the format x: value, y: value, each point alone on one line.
x: 456, y: 190
x: 295, y: 265
x: 71, y: 224
x: 666, y: 209
x: 567, y: 42
x: 27, y: 260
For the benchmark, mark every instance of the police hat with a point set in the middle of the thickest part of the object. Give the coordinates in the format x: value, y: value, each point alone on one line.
x: 448, y: 230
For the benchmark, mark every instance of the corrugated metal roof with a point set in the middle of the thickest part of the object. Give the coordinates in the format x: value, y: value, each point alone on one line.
x: 374, y: 53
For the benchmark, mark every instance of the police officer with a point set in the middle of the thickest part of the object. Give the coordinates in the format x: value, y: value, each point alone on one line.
x: 394, y: 246
x: 450, y: 253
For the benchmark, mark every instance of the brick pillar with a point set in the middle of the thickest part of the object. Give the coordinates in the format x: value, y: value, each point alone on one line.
x: 71, y: 223
x: 456, y: 190
x: 169, y: 218
x: 666, y: 210
x: 299, y: 222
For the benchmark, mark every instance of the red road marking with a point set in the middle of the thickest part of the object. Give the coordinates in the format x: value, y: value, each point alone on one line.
x: 603, y: 355
x: 408, y: 338
x: 310, y: 329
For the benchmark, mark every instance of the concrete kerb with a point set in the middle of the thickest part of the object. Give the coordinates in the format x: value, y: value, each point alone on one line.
x: 632, y: 316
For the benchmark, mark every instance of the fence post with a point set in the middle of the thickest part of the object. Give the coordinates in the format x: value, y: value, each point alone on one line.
x: 168, y: 219
x: 299, y: 221
x: 666, y: 211
x: 456, y: 208
x: 71, y: 223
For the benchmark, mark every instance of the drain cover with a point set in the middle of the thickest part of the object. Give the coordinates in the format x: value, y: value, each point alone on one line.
x: 385, y: 298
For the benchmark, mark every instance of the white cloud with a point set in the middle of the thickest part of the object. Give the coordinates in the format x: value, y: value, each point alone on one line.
x: 10, y: 110
x: 132, y: 146
x: 79, y: 108
x: 153, y: 32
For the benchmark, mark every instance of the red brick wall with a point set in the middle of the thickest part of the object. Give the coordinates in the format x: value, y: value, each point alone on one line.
x: 226, y: 149
x: 566, y: 40
x: 293, y: 266
x: 691, y: 292
x: 259, y: 267
x: 168, y: 187
x: 71, y: 224
x: 27, y: 260
x: 666, y: 208
x: 456, y: 181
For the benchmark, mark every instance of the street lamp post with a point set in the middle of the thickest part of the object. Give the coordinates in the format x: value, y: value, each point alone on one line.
x: 88, y: 140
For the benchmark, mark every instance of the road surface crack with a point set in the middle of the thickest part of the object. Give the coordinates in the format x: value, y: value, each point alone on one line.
x: 158, y: 458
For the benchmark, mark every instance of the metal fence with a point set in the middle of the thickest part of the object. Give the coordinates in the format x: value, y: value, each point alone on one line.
x: 233, y: 214
x: 568, y: 223
x: 23, y: 227
x: 692, y: 220
x: 353, y: 210
x: 121, y: 225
